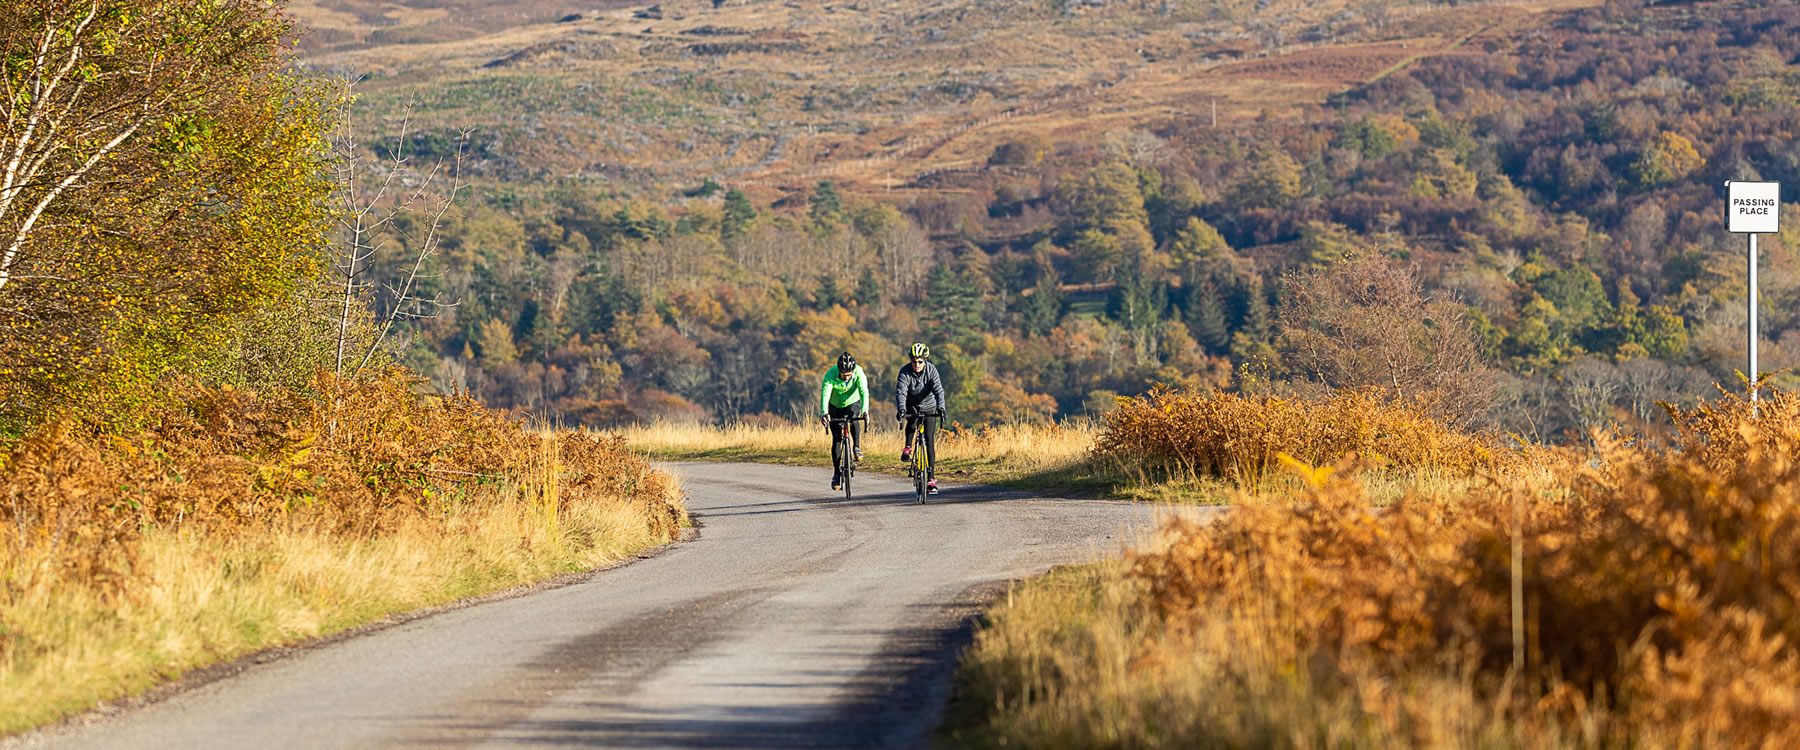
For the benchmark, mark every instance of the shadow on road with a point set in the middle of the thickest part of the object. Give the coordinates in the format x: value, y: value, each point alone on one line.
x: 893, y: 703
x: 947, y: 495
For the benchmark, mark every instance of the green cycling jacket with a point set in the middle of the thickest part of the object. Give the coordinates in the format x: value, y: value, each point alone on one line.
x: 838, y: 392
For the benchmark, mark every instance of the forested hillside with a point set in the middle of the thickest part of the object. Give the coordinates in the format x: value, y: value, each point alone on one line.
x: 1563, y: 182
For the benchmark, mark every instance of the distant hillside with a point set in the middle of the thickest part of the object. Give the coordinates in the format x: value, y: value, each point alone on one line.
x: 334, y: 25
x: 873, y: 95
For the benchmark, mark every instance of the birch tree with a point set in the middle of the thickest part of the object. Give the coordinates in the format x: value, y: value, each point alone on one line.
x: 160, y: 172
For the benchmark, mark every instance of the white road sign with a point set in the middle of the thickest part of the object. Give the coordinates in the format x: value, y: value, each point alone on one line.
x: 1754, y: 207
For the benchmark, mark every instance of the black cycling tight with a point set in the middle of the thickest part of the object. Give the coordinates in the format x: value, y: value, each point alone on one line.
x: 839, y: 412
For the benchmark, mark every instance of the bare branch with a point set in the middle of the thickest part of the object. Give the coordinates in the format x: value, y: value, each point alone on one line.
x: 367, y: 216
x: 426, y: 251
x: 1368, y: 322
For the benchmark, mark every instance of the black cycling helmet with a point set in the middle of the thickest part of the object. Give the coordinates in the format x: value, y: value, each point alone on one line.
x: 919, y: 351
x: 846, y: 364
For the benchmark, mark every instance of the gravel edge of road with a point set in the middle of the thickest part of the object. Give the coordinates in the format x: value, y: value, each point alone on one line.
x: 203, y: 676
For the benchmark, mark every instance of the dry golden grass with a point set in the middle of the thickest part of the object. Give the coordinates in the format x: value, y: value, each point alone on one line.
x: 1039, y: 457
x: 678, y: 439
x: 994, y: 454
x: 239, y: 521
x: 1023, y: 454
x: 1630, y: 599
x: 1072, y: 661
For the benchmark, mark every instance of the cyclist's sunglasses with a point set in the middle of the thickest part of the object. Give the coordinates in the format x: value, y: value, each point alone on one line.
x: 917, y: 360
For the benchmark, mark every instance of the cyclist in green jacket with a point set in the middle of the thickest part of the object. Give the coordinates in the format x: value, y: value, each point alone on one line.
x: 843, y: 393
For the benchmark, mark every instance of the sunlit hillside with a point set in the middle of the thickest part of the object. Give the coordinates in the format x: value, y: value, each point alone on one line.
x: 355, y: 24
x: 876, y: 96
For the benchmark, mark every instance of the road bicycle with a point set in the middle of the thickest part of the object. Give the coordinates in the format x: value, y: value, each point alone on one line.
x: 847, y: 452
x: 919, y: 470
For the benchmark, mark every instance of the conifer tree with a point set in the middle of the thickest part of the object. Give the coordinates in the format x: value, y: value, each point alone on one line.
x: 829, y: 293
x: 739, y: 216
x: 494, y: 339
x: 1138, y: 304
x: 543, y: 335
x: 826, y: 210
x: 868, y: 288
x: 1273, y: 182
x: 1200, y: 251
x: 1043, y: 310
x: 1209, y: 322
x: 1096, y: 255
x: 1253, y: 308
x: 952, y: 307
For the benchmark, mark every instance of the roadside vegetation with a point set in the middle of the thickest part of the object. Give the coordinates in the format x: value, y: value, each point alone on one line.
x: 206, y: 446
x: 1627, y: 595
x: 240, y: 520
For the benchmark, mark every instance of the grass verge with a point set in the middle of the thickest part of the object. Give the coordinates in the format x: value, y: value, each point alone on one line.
x: 1076, y: 659
x: 196, y: 600
x: 1631, y: 597
x: 239, y: 522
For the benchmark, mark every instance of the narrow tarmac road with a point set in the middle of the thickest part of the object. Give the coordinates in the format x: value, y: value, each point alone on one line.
x: 795, y: 619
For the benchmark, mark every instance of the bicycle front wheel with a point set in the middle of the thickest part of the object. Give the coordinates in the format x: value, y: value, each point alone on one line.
x: 919, y: 468
x: 849, y: 465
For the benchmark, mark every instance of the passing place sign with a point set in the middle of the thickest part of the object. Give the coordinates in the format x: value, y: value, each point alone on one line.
x: 1754, y: 207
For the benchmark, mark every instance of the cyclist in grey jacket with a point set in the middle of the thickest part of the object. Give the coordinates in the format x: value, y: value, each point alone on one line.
x: 919, y: 395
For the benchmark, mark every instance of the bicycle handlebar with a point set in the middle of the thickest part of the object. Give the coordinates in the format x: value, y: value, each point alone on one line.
x: 857, y: 418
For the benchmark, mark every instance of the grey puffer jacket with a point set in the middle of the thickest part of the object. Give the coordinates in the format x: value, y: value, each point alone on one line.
x: 921, y: 392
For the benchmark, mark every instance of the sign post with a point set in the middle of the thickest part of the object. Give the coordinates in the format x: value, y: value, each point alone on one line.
x: 1753, y: 208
